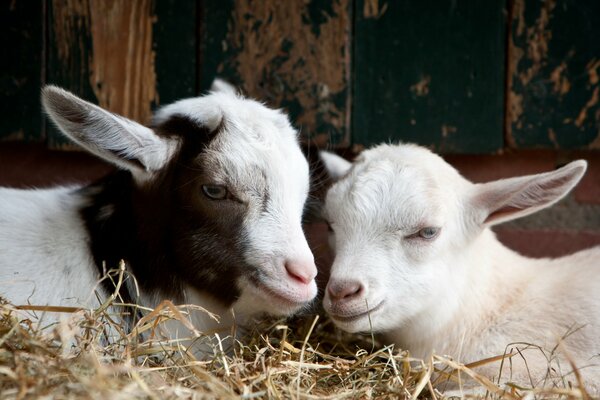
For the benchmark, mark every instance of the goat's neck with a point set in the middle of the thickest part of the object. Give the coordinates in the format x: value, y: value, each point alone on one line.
x: 487, y: 280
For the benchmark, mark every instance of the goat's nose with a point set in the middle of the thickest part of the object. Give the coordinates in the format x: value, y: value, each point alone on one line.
x: 301, y: 271
x: 345, y: 290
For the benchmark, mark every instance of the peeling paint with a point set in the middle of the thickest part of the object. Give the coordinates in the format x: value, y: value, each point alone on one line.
x: 548, y: 80
x: 122, y: 61
x: 552, y: 138
x: 538, y: 37
x: 596, y: 142
x: 421, y: 88
x: 514, y: 101
x: 71, y: 17
x: 447, y: 130
x: 281, y: 57
x: 583, y: 113
x: 558, y: 77
x: 371, y: 9
x: 592, y: 70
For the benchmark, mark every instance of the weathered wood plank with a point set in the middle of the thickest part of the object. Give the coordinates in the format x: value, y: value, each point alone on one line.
x: 291, y: 54
x: 127, y: 56
x: 554, y: 64
x: 429, y: 72
x: 21, y: 41
x: 102, y: 51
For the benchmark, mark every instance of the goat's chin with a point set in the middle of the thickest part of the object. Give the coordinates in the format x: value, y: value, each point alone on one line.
x: 355, y: 317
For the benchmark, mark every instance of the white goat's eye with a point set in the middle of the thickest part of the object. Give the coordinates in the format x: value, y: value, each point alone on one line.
x: 215, y: 192
x: 428, y: 233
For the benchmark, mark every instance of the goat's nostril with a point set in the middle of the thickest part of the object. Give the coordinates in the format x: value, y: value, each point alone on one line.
x: 301, y: 272
x: 345, y: 290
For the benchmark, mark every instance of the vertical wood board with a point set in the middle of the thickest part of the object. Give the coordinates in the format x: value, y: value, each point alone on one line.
x: 429, y: 72
x: 106, y: 52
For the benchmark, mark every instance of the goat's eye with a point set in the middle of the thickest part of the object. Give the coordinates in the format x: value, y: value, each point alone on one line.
x: 215, y: 192
x: 428, y: 233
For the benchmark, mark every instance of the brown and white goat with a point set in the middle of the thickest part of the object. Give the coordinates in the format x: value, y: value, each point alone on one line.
x: 205, y: 209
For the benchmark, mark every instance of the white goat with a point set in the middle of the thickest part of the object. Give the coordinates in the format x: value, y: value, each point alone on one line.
x: 417, y: 261
x: 205, y: 210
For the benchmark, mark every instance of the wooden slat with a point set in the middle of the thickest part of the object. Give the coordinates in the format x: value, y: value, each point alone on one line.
x: 430, y: 72
x: 176, y: 47
x: 21, y: 40
x: 291, y: 54
x: 554, y: 65
x: 106, y: 52
x: 69, y: 53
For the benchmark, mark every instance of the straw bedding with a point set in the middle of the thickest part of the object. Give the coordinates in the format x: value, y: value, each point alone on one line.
x: 300, y: 358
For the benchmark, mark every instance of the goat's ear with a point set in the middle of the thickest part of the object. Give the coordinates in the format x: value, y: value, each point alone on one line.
x: 222, y: 86
x: 335, y: 165
x: 114, y: 138
x: 512, y: 198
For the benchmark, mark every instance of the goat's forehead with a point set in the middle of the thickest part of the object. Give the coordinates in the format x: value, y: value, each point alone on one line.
x: 386, y: 190
x: 247, y: 114
x: 277, y: 168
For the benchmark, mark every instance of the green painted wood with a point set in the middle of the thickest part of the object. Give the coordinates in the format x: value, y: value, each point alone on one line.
x: 430, y: 72
x: 175, y: 35
x: 213, y: 46
x: 21, y: 41
x: 553, y: 94
x: 292, y: 54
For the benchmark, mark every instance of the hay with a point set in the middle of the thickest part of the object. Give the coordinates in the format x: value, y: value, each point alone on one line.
x: 88, y: 355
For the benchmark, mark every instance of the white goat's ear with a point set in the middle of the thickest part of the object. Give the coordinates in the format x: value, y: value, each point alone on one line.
x: 512, y: 198
x: 219, y: 85
x: 335, y: 165
x: 114, y: 138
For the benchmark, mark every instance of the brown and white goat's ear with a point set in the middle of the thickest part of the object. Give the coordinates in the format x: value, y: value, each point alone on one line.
x: 507, y: 199
x: 221, y: 86
x: 116, y: 139
x: 335, y: 165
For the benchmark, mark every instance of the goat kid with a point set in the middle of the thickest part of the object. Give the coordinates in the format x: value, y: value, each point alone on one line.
x: 206, y: 209
x: 417, y: 261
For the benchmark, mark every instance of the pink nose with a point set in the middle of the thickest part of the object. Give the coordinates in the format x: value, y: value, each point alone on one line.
x: 344, y: 290
x: 301, y: 271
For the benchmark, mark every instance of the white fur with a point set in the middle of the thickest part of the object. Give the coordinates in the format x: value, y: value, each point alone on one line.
x: 37, y: 227
x: 44, y: 255
x: 462, y: 293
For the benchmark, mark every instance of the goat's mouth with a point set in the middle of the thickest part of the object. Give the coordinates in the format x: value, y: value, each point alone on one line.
x: 349, y: 318
x: 285, y: 298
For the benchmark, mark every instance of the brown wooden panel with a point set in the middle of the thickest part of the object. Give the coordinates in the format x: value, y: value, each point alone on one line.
x: 126, y: 56
x: 292, y: 54
x: 103, y: 51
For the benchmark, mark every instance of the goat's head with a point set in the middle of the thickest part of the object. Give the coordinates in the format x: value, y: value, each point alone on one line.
x: 223, y: 180
x: 402, y: 219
